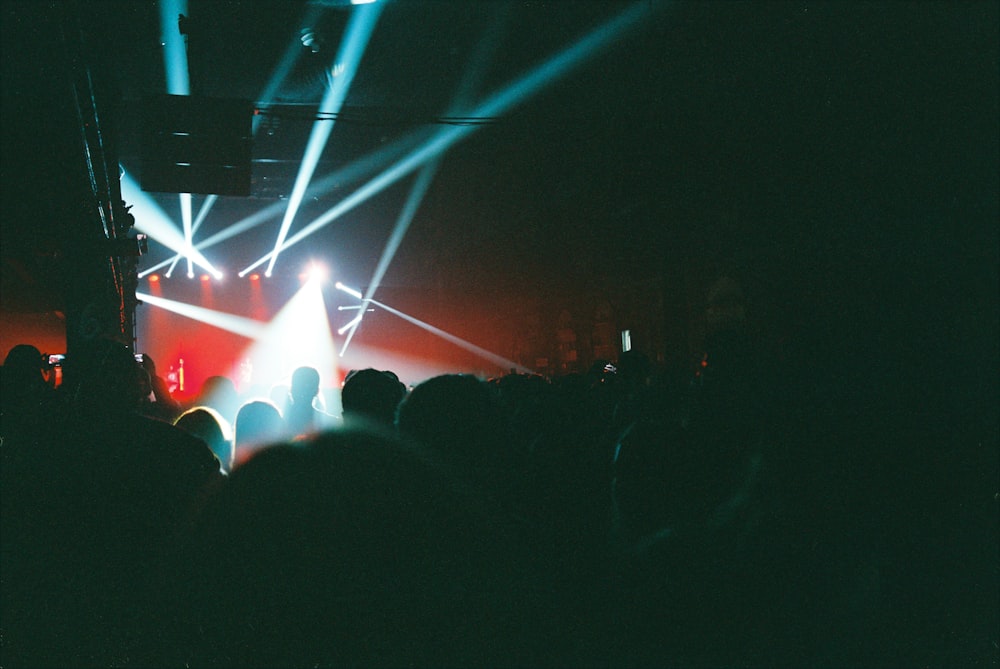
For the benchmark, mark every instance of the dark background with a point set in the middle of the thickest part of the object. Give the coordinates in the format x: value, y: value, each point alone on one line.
x: 838, y: 160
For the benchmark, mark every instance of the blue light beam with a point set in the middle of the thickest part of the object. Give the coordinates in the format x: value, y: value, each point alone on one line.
x: 470, y: 81
x: 175, y: 60
x: 423, y: 182
x: 175, y: 65
x: 288, y: 60
x: 515, y: 93
x: 151, y: 220
x: 246, y: 327
x: 188, y: 234
x: 358, y: 32
x: 206, y: 206
x: 498, y: 360
x: 357, y: 169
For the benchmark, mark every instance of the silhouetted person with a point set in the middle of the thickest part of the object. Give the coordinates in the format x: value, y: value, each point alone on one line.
x: 459, y: 417
x: 26, y: 398
x: 372, y: 395
x: 351, y: 548
x: 88, y: 511
x: 301, y: 417
x: 206, y: 424
x: 258, y: 423
x: 158, y: 402
x: 219, y: 392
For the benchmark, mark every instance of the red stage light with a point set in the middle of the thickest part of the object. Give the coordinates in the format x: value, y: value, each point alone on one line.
x: 154, y: 278
x: 255, y: 277
x: 205, y: 277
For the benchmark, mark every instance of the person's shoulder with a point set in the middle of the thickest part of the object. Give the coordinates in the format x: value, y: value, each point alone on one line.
x: 164, y: 435
x: 156, y: 426
x: 326, y: 419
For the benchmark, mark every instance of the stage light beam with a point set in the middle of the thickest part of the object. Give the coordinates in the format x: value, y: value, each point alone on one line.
x: 358, y: 32
x: 357, y: 169
x: 470, y: 81
x: 501, y: 102
x: 185, y: 199
x: 350, y: 291
x: 245, y: 327
x: 354, y: 321
x: 174, y: 49
x: 299, y: 335
x: 479, y: 351
x: 278, y: 76
x: 151, y: 220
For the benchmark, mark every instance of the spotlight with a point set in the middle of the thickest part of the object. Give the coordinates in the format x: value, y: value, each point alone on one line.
x: 350, y: 291
x: 255, y: 277
x: 316, y: 272
x: 205, y: 278
x: 154, y: 278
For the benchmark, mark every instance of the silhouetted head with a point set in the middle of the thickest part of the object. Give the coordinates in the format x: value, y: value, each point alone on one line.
x: 23, y: 389
x: 148, y: 364
x: 354, y: 549
x: 105, y: 377
x: 23, y: 366
x: 258, y: 422
x: 213, y: 429
x: 634, y: 367
x: 219, y: 392
x: 373, y: 395
x: 459, y: 416
x: 305, y: 384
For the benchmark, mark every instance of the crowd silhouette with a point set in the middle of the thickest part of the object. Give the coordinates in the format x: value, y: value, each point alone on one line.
x: 622, y: 517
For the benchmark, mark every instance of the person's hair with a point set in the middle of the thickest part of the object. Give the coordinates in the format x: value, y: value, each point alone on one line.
x: 212, y: 428
x: 457, y: 414
x: 372, y: 394
x: 258, y: 422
